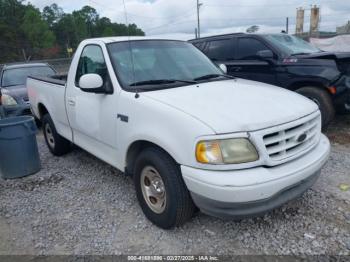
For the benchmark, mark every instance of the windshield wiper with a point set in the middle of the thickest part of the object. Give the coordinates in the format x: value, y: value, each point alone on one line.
x: 301, y: 53
x: 210, y: 76
x: 161, y: 82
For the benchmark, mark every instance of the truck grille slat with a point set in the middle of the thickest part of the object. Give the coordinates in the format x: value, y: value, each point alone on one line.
x: 286, y: 142
x: 275, y: 138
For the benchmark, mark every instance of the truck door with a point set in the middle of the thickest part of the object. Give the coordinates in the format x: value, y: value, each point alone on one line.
x: 248, y: 65
x: 92, y: 116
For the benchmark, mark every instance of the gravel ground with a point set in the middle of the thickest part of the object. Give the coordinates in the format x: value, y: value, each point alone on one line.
x: 79, y: 205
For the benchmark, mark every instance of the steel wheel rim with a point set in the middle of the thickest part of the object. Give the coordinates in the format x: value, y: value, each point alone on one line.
x: 153, y: 189
x: 49, y: 136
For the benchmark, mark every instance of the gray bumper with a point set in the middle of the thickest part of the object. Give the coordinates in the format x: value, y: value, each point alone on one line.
x: 237, y: 211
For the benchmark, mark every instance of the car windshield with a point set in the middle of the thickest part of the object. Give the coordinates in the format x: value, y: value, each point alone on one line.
x: 18, y: 76
x: 156, y: 64
x: 292, y: 45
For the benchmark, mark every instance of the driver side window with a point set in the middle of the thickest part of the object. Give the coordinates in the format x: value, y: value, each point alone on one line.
x: 249, y: 47
x: 92, y: 62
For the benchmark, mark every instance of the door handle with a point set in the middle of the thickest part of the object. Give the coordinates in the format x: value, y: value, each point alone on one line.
x: 71, y: 102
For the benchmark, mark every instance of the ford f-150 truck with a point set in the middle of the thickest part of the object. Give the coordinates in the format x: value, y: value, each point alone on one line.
x: 189, y: 135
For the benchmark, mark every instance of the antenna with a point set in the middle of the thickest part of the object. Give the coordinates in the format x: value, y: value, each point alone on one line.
x: 130, y: 49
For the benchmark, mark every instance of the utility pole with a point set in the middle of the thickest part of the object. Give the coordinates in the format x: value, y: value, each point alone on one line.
x: 198, y: 22
x: 287, y: 25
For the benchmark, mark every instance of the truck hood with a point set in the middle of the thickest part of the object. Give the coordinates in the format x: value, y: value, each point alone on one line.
x: 236, y: 105
x: 327, y: 55
x: 19, y: 93
x: 342, y: 60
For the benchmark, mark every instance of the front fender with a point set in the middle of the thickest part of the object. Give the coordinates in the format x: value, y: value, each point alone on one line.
x: 160, y: 124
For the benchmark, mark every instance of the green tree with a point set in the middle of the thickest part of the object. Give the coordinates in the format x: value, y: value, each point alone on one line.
x: 36, y: 29
x: 52, y: 14
x: 27, y: 32
x: 11, y: 37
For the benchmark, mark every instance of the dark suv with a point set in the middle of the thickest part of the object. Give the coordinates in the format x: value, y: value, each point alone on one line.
x: 285, y: 61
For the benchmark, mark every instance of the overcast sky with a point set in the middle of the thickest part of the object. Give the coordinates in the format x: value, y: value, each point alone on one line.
x: 178, y: 17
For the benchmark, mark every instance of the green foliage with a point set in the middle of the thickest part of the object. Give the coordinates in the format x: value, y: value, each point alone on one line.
x: 36, y: 29
x: 28, y: 33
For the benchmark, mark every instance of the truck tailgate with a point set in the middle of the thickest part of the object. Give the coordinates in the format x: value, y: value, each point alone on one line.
x: 46, y: 94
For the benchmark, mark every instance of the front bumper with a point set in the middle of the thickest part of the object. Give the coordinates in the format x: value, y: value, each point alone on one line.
x: 250, y: 192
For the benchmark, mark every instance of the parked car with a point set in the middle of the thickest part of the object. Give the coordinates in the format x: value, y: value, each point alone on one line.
x: 13, y: 85
x: 286, y: 61
x: 162, y: 112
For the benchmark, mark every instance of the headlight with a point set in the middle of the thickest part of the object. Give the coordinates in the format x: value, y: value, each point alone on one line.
x: 226, y: 151
x: 7, y: 100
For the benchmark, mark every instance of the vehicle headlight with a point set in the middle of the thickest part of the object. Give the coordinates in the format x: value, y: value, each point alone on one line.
x: 226, y: 151
x: 8, y: 100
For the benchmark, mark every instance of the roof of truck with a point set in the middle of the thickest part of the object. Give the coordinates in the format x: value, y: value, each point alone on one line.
x: 108, y: 40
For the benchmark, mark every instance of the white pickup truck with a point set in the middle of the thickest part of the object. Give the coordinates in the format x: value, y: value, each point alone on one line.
x: 189, y: 135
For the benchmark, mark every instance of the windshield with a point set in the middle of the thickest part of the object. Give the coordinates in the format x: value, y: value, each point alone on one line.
x: 291, y: 45
x: 159, y: 63
x: 18, y: 76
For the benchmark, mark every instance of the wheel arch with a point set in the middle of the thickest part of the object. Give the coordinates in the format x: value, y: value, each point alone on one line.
x: 135, y: 148
x: 42, y: 110
x: 300, y: 84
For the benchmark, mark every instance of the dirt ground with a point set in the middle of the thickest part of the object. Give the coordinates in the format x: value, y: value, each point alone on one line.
x: 79, y: 205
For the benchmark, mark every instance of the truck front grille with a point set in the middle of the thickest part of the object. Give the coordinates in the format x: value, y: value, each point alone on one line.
x: 289, y: 141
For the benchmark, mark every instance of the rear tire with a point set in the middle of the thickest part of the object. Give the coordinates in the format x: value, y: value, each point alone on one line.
x: 160, y: 189
x: 57, y: 144
x: 324, y: 101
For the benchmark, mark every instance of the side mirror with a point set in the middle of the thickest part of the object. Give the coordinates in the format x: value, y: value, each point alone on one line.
x: 265, y: 54
x: 223, y: 67
x: 92, y: 83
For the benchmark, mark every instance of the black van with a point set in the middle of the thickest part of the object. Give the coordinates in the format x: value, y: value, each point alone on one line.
x: 286, y: 61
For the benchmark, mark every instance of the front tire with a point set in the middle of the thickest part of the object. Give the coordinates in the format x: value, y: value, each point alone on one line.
x: 57, y: 144
x: 324, y: 101
x: 160, y: 189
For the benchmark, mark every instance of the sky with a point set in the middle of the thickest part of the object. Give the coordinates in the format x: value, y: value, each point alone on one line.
x: 178, y: 18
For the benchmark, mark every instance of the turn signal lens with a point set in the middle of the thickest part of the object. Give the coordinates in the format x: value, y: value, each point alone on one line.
x: 208, y: 152
x: 332, y: 90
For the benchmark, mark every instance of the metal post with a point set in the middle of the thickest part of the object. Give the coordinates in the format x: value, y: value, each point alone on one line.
x: 198, y: 22
x: 287, y: 25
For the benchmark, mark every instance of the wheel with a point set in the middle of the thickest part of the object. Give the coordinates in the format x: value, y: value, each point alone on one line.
x: 160, y: 189
x: 324, y: 101
x: 57, y: 144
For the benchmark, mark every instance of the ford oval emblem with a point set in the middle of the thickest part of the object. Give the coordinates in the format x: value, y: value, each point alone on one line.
x: 301, y: 138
